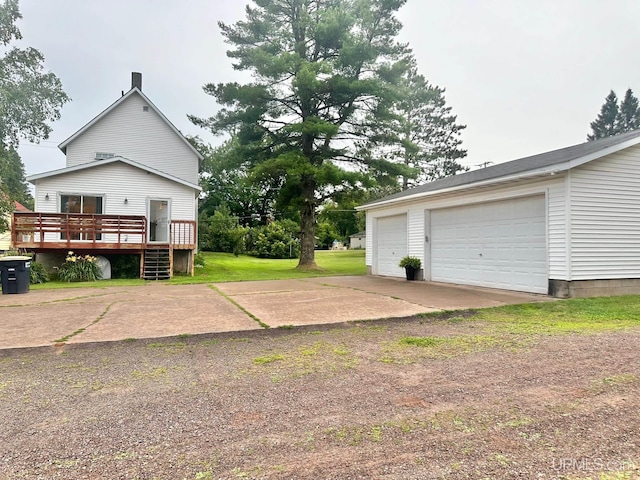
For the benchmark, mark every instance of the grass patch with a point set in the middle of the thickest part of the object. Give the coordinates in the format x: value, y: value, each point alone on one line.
x: 581, y: 315
x: 275, y: 357
x: 225, y: 267
x: 613, y: 382
x: 407, y: 350
x: 421, y: 341
x: 319, y: 357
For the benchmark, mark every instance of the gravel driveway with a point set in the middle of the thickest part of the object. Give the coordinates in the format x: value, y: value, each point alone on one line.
x: 346, y: 401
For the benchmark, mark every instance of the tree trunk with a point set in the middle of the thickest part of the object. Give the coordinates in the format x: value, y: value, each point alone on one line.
x: 308, y: 226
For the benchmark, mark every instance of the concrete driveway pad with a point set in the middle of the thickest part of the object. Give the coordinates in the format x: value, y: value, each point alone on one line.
x: 39, y: 325
x: 40, y: 317
x: 324, y: 305
x: 167, y: 310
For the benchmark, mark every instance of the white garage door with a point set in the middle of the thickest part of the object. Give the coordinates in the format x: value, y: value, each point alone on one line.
x: 391, y: 245
x: 498, y: 244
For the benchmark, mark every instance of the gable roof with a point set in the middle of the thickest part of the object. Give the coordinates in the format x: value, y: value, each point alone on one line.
x: 547, y: 163
x: 97, y: 163
x: 114, y: 105
x: 19, y: 207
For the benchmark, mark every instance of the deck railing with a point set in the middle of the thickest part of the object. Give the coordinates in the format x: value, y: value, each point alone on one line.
x: 74, y: 230
x: 183, y: 233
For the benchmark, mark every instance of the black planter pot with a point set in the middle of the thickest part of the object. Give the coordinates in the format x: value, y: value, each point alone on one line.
x: 411, y: 272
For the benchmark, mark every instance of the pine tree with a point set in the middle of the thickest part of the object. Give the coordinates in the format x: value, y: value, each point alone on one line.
x: 421, y: 133
x: 606, y: 124
x: 629, y: 113
x: 318, y: 68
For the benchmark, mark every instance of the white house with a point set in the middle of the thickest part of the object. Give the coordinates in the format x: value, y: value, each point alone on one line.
x: 563, y: 223
x: 130, y: 186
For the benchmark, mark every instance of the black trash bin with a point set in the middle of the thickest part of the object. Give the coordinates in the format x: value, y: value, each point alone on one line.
x: 15, y: 273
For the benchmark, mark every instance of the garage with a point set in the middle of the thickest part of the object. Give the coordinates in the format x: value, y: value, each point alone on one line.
x: 391, y: 245
x: 497, y: 244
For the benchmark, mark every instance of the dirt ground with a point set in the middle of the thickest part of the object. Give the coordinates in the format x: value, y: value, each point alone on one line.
x: 396, y: 399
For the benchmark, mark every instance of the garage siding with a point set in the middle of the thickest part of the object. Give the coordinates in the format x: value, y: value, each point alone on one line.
x: 368, y: 241
x: 558, y: 228
x: 416, y: 233
x: 605, y: 217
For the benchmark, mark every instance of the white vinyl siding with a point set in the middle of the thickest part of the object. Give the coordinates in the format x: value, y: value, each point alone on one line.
x: 368, y: 253
x: 605, y: 217
x: 415, y: 231
x: 115, y: 182
x: 496, y: 244
x: 143, y: 137
x: 557, y: 228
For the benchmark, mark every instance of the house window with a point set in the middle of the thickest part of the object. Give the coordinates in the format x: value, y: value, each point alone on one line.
x: 79, y: 228
x: 145, y: 108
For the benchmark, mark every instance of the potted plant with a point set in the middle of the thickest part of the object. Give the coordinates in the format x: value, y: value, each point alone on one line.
x: 411, y: 265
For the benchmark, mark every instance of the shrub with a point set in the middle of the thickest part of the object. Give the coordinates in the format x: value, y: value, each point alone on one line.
x: 276, y: 240
x: 78, y: 268
x: 199, y: 260
x: 224, y: 233
x: 38, y: 274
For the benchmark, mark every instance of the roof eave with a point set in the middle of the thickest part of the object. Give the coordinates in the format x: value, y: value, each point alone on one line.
x: 88, y: 165
x: 549, y: 170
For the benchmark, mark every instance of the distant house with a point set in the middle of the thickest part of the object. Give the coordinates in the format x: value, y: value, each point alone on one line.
x: 563, y: 223
x: 130, y: 186
x: 358, y: 240
x: 5, y: 237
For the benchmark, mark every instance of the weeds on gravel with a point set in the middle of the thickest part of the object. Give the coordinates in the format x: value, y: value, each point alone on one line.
x: 275, y: 357
x: 407, y: 350
x: 613, y: 382
x: 319, y: 357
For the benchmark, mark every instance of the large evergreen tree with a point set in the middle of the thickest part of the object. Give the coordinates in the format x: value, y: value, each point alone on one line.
x: 628, y: 113
x: 318, y: 68
x: 616, y: 118
x: 606, y: 124
x: 421, y: 132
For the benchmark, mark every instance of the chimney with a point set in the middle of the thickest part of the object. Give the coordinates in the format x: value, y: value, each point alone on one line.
x: 136, y: 80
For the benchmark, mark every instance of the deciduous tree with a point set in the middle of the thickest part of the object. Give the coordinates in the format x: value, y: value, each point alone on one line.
x: 12, y: 177
x: 30, y: 97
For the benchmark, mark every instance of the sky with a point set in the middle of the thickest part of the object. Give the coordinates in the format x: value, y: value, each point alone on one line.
x: 525, y: 76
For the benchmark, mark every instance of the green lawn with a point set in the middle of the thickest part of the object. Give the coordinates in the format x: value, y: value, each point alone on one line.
x: 225, y: 267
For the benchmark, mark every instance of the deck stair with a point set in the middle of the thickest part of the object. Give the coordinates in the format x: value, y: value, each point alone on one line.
x: 157, y: 263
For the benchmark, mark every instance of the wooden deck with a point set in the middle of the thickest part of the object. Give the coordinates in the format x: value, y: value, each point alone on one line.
x: 71, y: 231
